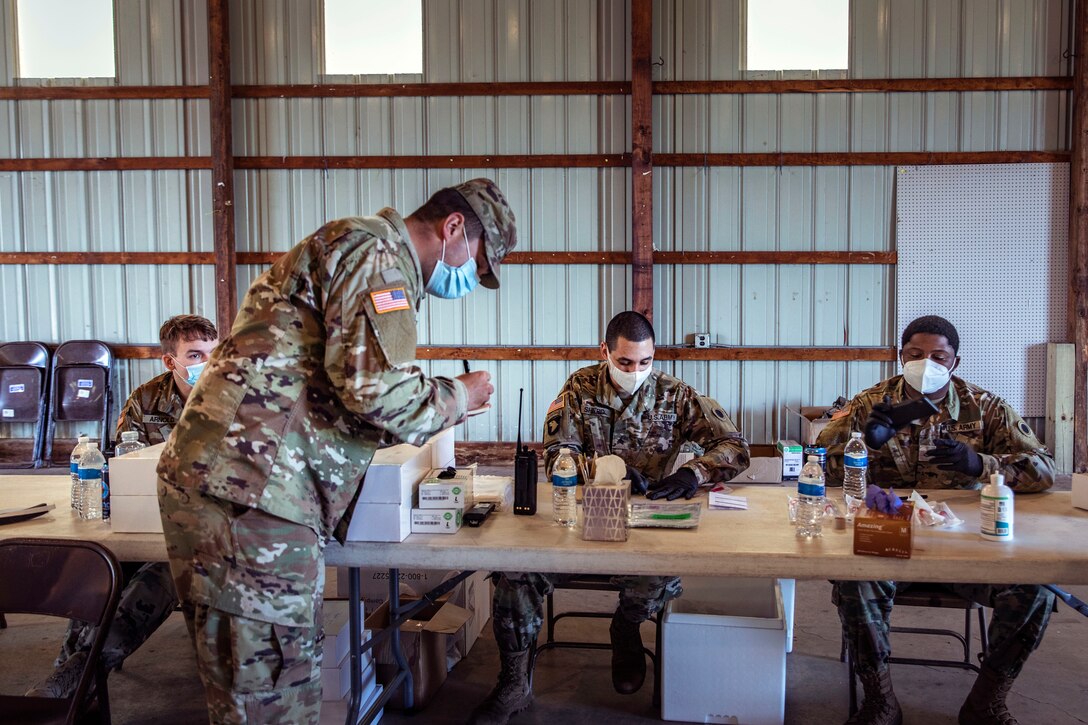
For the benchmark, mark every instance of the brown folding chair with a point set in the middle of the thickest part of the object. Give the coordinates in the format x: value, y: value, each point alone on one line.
x: 71, y: 580
x: 80, y: 388
x: 24, y: 386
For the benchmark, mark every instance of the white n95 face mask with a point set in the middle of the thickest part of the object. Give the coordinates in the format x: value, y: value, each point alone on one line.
x: 628, y: 382
x: 926, y: 376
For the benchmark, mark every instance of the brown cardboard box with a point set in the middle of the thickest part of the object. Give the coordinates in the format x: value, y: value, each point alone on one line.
x: 423, y: 640
x: 880, y: 534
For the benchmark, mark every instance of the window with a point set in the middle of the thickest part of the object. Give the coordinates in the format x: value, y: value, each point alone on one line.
x: 65, y: 39
x: 798, y: 34
x: 367, y: 37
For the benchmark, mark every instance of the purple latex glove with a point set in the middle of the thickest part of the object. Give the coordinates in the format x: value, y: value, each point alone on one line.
x: 878, y: 499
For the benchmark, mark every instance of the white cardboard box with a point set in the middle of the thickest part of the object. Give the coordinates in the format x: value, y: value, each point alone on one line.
x: 394, y: 473
x: 336, y: 681
x: 380, y: 522
x: 1080, y: 490
x: 761, y: 470
x: 335, y: 712
x: 436, y: 492
x: 436, y: 521
x: 133, y: 474
x: 442, y: 449
x: 724, y: 653
x: 335, y: 623
x: 134, y: 514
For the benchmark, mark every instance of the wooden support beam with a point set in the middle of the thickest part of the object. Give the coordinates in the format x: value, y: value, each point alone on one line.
x: 642, y: 170
x: 101, y: 93
x: 867, y: 85
x: 1060, y: 393
x: 226, y: 285
x: 864, y: 158
x: 1078, y: 235
x: 775, y: 257
x: 432, y: 90
x: 117, y: 163
x: 493, y: 161
x: 529, y: 352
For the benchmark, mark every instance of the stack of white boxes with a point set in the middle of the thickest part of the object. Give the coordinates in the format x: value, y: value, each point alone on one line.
x: 383, y: 511
x: 336, y: 667
x: 444, y: 494
x: 134, y: 500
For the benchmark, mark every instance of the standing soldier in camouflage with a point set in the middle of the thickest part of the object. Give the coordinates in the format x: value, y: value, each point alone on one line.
x: 623, y: 407
x: 148, y: 598
x: 270, y: 453
x: 975, y: 434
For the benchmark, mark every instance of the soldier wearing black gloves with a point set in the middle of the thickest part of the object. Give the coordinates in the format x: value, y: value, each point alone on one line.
x: 623, y: 407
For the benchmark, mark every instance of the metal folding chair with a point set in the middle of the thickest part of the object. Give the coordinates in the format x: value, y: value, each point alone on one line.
x: 24, y: 394
x: 69, y: 579
x: 931, y: 595
x: 80, y: 388
x: 589, y: 582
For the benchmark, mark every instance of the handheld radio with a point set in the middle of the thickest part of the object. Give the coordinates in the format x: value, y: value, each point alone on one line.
x: 524, y: 472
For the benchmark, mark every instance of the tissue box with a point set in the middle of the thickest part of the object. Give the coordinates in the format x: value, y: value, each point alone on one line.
x: 791, y: 453
x: 604, y: 509
x: 133, y: 474
x: 394, y: 473
x: 881, y: 534
x: 1080, y: 490
x: 436, y: 521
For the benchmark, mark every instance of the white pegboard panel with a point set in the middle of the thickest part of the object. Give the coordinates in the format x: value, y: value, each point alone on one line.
x: 986, y: 247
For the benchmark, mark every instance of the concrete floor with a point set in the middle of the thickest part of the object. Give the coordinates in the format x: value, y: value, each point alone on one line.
x: 159, y: 685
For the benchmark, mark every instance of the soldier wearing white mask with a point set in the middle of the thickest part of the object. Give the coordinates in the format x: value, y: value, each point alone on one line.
x: 620, y: 406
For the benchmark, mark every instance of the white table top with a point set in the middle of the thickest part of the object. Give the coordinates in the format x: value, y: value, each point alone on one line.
x: 1051, y: 543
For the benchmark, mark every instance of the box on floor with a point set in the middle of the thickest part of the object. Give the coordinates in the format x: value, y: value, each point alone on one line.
x: 424, y: 642
x: 724, y: 653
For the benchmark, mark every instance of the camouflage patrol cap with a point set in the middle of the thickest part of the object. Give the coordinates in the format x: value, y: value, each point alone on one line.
x: 497, y: 218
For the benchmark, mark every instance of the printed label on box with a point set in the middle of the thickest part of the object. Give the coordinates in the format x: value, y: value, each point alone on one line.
x: 83, y: 394
x: 84, y: 383
x: 17, y: 388
x: 8, y: 413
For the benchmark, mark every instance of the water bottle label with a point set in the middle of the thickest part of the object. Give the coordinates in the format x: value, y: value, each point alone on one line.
x: 90, y: 474
x: 861, y: 461
x: 806, y: 488
x: 564, y: 481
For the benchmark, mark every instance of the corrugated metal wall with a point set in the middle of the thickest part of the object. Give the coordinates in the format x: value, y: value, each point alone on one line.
x: 280, y: 41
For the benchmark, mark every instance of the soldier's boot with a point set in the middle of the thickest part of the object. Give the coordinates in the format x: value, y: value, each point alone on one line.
x: 880, y: 706
x: 985, y: 704
x: 510, y: 696
x: 628, y: 659
x: 62, y: 682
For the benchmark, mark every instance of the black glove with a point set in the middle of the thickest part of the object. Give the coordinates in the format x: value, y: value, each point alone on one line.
x: 639, y: 483
x: 879, y: 428
x: 682, y: 483
x: 951, y: 455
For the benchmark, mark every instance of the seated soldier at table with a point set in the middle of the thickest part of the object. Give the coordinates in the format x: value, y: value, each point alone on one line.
x: 621, y: 406
x: 186, y: 341
x: 975, y: 433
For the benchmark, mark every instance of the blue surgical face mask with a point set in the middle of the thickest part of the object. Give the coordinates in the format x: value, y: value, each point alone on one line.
x: 192, y: 372
x: 448, y: 282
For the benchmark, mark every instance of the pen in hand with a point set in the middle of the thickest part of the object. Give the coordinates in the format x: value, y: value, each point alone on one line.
x: 465, y: 363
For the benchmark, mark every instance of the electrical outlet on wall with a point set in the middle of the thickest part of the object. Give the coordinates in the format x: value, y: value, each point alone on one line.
x: 702, y: 339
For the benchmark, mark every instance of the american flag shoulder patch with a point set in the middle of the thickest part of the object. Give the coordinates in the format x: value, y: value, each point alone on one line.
x: 556, y: 405
x: 390, y: 300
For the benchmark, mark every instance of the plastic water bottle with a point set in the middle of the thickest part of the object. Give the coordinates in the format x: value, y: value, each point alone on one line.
x: 810, y: 500
x: 996, y: 515
x: 130, y: 441
x: 73, y: 467
x: 564, y: 487
x: 856, y: 468
x: 90, y: 481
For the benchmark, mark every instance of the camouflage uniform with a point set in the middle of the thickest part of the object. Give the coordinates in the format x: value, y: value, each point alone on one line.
x: 152, y: 410
x: 148, y: 597
x: 1005, y: 443
x: 664, y: 417
x: 269, y: 454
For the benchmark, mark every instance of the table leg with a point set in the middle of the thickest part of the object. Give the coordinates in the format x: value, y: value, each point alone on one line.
x: 355, y: 632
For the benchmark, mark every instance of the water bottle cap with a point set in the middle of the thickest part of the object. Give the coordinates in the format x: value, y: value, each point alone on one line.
x: 855, y: 434
x: 130, y: 435
x: 813, y: 459
x: 84, y: 439
x: 92, y: 444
